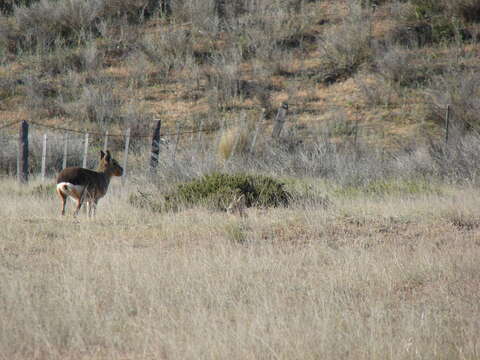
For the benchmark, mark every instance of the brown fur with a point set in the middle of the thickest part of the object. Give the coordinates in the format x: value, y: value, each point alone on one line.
x: 94, y: 183
x: 237, y: 206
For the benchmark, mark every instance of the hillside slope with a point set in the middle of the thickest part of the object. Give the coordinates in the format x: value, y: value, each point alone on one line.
x: 383, y: 70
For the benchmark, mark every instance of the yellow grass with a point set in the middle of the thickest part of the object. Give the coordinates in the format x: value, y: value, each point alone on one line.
x: 233, y: 140
x: 391, y: 278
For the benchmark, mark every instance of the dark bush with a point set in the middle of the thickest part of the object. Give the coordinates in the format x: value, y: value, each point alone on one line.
x: 469, y: 10
x: 7, y: 6
x: 216, y: 191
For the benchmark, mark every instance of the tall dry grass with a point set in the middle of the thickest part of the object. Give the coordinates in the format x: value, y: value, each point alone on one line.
x: 368, y: 277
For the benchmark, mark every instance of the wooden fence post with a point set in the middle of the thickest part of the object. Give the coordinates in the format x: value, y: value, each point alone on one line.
x: 279, y: 120
x: 355, y: 135
x: 65, y: 151
x: 155, y: 153
x: 447, y: 124
x: 85, y: 151
x: 125, y: 155
x: 220, y: 11
x: 22, y: 160
x: 105, y: 142
x: 44, y: 157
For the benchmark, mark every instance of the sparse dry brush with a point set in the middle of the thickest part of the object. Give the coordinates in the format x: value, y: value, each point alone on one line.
x: 224, y: 58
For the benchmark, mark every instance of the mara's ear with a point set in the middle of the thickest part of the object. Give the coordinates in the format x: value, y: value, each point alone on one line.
x: 108, y: 157
x: 102, y: 154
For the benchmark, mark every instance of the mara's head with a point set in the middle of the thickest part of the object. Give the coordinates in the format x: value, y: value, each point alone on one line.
x: 109, y: 164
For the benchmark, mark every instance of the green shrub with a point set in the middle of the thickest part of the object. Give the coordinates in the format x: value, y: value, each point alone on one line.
x: 216, y: 191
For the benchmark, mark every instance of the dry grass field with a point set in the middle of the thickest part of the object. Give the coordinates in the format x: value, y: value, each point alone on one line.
x: 365, y: 277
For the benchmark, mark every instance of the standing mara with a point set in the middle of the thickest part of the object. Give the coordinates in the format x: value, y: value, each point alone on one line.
x: 87, y: 185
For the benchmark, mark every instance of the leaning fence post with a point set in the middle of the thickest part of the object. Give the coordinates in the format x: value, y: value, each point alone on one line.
x: 125, y: 155
x: 44, y: 156
x: 155, y: 147
x: 65, y: 151
x: 85, y: 151
x: 447, y: 124
x: 105, y: 142
x: 279, y: 120
x: 355, y: 135
x: 22, y: 159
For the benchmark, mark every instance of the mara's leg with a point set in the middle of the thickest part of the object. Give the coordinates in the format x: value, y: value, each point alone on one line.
x: 63, y: 197
x: 94, y: 206
x: 79, y: 205
x: 85, y: 197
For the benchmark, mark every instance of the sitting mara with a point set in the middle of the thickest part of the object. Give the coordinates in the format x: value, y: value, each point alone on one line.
x: 237, y: 206
x: 87, y: 185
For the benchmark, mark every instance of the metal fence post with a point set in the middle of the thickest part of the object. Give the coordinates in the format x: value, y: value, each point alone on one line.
x: 105, y: 142
x: 125, y: 155
x: 44, y: 157
x: 85, y: 151
x: 65, y: 151
x: 447, y: 124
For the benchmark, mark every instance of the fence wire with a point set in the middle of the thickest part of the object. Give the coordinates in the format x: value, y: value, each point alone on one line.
x: 96, y: 133
x: 102, y: 134
x: 7, y: 125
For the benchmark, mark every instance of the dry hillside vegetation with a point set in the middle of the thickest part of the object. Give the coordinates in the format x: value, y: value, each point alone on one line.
x: 390, y: 277
x: 390, y: 66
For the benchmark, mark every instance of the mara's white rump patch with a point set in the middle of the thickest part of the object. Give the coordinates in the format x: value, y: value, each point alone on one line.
x: 74, y: 191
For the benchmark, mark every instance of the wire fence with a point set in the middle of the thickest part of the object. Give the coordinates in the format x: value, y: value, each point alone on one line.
x: 80, y: 146
x: 156, y: 137
x: 102, y: 134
